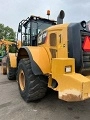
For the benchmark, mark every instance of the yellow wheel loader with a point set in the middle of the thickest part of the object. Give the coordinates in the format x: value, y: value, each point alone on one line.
x: 53, y: 55
x: 4, y: 67
x: 11, y: 61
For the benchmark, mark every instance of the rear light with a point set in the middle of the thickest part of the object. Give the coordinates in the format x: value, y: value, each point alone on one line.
x: 86, y: 44
x: 68, y: 69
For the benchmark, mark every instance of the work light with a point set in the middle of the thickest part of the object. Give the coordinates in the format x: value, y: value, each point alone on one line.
x: 68, y: 69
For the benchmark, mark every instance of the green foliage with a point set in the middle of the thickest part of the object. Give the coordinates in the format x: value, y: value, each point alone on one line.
x: 7, y: 33
x: 1, y: 31
x: 2, y: 50
x: 12, y: 49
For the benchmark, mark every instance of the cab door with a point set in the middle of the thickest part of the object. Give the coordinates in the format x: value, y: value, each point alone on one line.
x: 53, y: 43
x: 58, y: 44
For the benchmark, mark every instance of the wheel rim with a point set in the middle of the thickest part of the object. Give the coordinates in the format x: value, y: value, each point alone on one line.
x: 22, y: 80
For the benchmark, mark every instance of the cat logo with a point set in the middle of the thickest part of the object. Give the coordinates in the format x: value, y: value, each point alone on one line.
x: 42, y: 37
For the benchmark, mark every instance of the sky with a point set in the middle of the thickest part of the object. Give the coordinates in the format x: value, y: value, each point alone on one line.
x: 13, y: 11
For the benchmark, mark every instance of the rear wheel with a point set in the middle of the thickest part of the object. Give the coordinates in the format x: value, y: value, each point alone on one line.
x: 3, y: 69
x: 32, y: 87
x: 11, y: 72
x: 3, y: 65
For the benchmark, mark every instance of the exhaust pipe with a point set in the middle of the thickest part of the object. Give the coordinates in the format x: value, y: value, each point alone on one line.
x: 60, y: 17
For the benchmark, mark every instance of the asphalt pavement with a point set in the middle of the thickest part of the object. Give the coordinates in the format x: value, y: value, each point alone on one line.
x: 13, y: 107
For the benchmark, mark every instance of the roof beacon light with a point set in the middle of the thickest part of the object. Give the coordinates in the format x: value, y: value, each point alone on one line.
x: 48, y: 13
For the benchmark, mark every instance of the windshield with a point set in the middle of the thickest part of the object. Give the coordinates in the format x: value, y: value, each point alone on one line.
x: 38, y: 27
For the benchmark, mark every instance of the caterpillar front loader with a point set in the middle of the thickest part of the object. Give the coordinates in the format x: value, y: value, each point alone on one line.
x: 53, y: 55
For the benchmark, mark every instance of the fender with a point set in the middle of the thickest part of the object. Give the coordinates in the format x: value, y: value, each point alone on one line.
x: 13, y: 60
x: 39, y: 58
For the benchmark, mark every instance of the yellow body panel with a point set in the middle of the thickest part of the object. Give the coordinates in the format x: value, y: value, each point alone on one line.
x: 58, y: 66
x: 18, y: 44
x: 61, y: 40
x: 40, y: 56
x: 13, y: 60
x: 61, y: 46
x: 71, y: 86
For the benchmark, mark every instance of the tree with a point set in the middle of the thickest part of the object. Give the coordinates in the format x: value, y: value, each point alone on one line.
x: 7, y: 33
x: 1, y: 31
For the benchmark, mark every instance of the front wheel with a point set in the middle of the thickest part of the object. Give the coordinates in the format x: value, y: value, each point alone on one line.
x: 32, y: 87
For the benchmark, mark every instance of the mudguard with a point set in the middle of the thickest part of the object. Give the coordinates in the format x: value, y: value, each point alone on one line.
x: 39, y: 58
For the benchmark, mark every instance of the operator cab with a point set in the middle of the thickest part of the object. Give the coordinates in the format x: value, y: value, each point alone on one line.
x: 31, y: 27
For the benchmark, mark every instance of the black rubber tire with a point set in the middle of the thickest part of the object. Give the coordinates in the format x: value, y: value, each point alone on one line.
x: 35, y: 85
x: 11, y: 73
x: 4, y: 65
x: 4, y: 69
